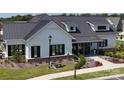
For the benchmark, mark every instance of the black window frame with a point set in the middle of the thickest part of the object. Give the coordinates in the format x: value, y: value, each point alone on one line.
x: 104, y: 43
x: 59, y: 49
x: 72, y: 28
x: 35, y: 51
x: 101, y: 27
x: 21, y: 49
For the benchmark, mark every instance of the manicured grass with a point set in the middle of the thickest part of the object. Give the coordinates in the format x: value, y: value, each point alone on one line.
x: 21, y: 74
x: 95, y: 74
x: 119, y: 42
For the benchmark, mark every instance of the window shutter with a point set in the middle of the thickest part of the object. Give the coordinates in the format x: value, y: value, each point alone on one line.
x: 23, y: 49
x: 38, y: 51
x: 50, y: 50
x: 32, y: 52
x: 9, y: 50
x: 106, y: 42
x: 63, y: 49
x: 100, y: 44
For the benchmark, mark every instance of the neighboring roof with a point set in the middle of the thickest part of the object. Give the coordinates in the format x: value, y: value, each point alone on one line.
x: 114, y: 20
x: 37, y: 18
x: 121, y: 33
x: 86, y: 33
x: 123, y: 22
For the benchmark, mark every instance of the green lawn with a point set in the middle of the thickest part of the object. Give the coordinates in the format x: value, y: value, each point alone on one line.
x: 119, y: 42
x: 21, y: 74
x: 95, y: 74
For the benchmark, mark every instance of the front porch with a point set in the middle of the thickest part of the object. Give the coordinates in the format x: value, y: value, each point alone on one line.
x: 88, y: 48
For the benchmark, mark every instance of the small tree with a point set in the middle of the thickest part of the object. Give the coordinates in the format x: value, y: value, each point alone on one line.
x: 81, y: 63
x: 17, y: 56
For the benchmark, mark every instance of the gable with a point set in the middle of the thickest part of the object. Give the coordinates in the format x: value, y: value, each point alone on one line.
x: 51, y: 28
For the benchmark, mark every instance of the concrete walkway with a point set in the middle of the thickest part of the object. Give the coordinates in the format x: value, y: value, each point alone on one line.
x: 106, y: 66
x: 103, y: 61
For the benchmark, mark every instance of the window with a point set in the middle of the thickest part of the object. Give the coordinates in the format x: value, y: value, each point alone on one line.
x: 20, y: 48
x: 101, y: 27
x: 35, y: 51
x: 57, y: 49
x: 71, y: 28
x: 103, y: 44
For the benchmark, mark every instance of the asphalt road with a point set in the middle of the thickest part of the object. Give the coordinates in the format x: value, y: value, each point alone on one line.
x: 116, y: 78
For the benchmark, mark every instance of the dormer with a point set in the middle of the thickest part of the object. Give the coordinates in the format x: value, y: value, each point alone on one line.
x: 70, y: 27
x: 99, y: 26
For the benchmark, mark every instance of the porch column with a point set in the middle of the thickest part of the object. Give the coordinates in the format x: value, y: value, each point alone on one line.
x: 97, y: 47
x: 84, y: 48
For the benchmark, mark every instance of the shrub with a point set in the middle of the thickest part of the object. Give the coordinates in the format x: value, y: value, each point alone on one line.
x: 109, y: 54
x: 81, y: 62
x: 122, y: 55
x: 101, y: 52
x: 17, y: 56
x: 118, y: 55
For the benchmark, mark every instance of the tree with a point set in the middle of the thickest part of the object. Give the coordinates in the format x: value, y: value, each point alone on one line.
x: 114, y: 15
x: 17, y: 55
x: 82, y: 62
x: 64, y: 14
x: 87, y: 14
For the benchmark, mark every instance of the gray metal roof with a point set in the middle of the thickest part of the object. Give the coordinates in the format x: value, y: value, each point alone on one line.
x: 36, y: 28
x: 26, y: 30
x: 86, y: 32
x: 17, y: 30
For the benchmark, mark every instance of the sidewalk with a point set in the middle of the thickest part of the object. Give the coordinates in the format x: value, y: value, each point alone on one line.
x: 103, y: 61
x: 106, y: 66
x: 106, y: 77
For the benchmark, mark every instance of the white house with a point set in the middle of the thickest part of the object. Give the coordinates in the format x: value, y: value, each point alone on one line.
x: 59, y: 36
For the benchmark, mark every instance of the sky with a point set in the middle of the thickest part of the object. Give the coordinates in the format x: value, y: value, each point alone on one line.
x: 5, y: 15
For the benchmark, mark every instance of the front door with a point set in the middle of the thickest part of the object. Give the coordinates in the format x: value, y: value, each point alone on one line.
x: 87, y: 48
x: 81, y: 48
x: 75, y: 49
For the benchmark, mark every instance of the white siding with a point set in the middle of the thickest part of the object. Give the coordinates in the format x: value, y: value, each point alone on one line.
x: 41, y: 39
x: 111, y: 40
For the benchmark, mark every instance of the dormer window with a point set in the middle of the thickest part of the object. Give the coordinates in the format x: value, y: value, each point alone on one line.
x: 72, y: 29
x: 101, y: 27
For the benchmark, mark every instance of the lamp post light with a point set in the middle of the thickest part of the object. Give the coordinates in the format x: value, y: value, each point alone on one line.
x: 50, y: 38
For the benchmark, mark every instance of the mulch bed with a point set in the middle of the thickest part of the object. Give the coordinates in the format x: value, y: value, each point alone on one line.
x: 118, y: 62
x: 113, y: 60
x: 92, y: 64
x: 18, y: 65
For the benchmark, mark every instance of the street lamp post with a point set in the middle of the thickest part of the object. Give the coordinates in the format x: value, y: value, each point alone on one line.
x: 50, y: 38
x: 75, y: 71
